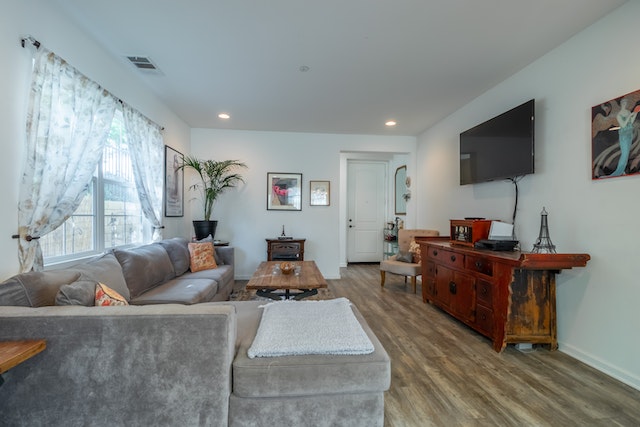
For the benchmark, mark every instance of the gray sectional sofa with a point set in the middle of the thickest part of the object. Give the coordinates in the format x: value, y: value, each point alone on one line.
x: 171, y: 359
x: 157, y: 273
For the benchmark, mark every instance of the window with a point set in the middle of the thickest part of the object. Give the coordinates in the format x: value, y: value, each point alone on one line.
x: 111, y: 205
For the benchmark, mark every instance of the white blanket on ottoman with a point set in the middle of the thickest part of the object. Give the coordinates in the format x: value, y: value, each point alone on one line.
x: 309, y: 327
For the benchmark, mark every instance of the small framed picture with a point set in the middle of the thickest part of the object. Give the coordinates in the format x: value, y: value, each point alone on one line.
x: 173, y: 183
x: 284, y: 191
x: 320, y: 193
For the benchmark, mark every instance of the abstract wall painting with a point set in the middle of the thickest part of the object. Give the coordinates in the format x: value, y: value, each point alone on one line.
x: 615, y: 142
x: 284, y: 191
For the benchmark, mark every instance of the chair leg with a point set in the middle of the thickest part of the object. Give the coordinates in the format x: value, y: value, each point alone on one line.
x: 413, y: 283
x: 382, y: 277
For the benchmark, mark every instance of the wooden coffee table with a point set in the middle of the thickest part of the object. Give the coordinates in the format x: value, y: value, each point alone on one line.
x: 268, y: 281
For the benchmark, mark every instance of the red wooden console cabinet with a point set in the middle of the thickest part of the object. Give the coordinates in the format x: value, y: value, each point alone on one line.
x: 509, y: 297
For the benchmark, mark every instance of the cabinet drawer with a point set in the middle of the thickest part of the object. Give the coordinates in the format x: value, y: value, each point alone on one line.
x: 446, y: 257
x: 484, y: 293
x: 484, y: 320
x: 285, y: 247
x: 479, y: 264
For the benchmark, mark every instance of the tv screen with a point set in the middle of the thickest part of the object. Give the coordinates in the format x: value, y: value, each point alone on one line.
x: 500, y: 148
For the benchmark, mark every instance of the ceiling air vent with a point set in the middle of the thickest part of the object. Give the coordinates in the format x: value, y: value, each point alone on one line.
x: 143, y: 63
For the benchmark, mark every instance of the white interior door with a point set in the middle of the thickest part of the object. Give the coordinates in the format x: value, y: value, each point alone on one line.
x: 366, y: 195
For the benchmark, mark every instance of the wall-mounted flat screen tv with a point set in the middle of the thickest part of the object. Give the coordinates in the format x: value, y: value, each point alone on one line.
x: 500, y: 148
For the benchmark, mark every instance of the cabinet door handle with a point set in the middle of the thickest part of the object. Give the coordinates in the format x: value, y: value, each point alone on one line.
x: 478, y: 265
x: 452, y: 287
x: 435, y: 253
x: 453, y: 258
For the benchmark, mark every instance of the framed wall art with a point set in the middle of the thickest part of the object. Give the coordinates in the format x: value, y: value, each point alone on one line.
x: 173, y: 183
x: 615, y: 146
x: 284, y: 191
x: 319, y: 193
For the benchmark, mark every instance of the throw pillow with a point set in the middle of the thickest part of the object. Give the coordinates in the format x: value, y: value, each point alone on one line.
x: 202, y: 256
x: 80, y: 292
x: 414, y: 248
x: 219, y: 260
x: 105, y: 296
x: 403, y: 256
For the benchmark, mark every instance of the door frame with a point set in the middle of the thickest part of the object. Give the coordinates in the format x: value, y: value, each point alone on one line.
x: 386, y: 196
x: 364, y: 156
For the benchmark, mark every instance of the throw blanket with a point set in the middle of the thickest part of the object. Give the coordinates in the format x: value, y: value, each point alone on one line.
x: 309, y: 327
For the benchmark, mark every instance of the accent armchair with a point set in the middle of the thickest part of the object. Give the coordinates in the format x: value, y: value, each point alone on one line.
x: 406, y: 268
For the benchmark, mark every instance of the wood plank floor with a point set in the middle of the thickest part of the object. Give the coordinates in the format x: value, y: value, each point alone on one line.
x: 445, y: 374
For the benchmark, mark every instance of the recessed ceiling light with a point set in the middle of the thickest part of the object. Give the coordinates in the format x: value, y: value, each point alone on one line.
x: 224, y: 116
x: 391, y: 123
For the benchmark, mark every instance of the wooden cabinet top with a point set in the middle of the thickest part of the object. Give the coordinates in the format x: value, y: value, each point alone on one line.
x: 517, y: 259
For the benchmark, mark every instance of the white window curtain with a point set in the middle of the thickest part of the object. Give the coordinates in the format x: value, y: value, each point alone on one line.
x: 147, y: 150
x: 68, y: 121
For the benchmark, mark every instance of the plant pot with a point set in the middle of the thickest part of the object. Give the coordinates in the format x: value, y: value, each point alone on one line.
x: 204, y: 229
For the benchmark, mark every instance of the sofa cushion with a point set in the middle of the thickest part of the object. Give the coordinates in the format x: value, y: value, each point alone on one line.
x: 105, y: 269
x: 106, y: 297
x: 402, y: 268
x: 304, y: 375
x: 35, y: 288
x: 144, y: 267
x: 178, y: 253
x: 224, y: 273
x: 81, y: 292
x: 201, y: 256
x: 179, y: 291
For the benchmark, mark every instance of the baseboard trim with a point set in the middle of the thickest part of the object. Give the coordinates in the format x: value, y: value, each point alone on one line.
x: 619, y: 374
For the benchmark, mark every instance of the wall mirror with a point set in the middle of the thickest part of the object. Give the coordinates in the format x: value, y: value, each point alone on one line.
x: 401, y: 190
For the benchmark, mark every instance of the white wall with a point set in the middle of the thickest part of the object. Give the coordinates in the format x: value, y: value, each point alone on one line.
x: 598, y: 320
x: 44, y: 22
x: 242, y: 213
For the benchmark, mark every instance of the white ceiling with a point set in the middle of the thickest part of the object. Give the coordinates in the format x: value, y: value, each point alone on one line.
x: 415, y: 61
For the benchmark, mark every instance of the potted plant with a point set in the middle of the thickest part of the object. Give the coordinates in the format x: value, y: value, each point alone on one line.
x: 215, y: 178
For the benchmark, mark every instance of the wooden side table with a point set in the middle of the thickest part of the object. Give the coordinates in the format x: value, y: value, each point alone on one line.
x: 285, y: 249
x: 12, y: 353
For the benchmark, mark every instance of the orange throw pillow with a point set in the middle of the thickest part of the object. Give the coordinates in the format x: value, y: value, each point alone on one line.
x: 105, y: 296
x: 202, y: 256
